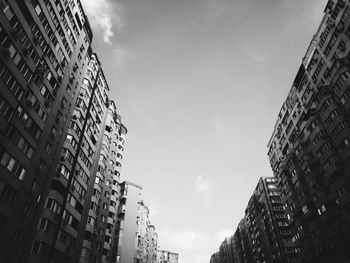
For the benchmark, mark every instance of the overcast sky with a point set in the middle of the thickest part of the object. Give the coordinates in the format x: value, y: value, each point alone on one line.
x: 199, y: 84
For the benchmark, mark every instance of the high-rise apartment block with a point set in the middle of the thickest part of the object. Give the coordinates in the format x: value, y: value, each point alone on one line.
x: 137, y: 239
x: 240, y: 244
x: 267, y: 225
x: 262, y: 235
x: 62, y: 142
x: 62, y: 139
x: 309, y: 154
x: 309, y: 148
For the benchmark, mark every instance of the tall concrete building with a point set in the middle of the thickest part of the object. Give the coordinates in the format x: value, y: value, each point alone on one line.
x: 152, y: 244
x: 240, y: 244
x: 267, y: 225
x: 263, y: 234
x: 61, y: 137
x: 215, y: 258
x: 309, y: 148
x: 136, y: 238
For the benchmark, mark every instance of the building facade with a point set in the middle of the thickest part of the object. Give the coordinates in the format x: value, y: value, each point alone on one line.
x: 241, y: 245
x: 136, y: 238
x: 152, y: 244
x: 309, y: 148
x: 61, y: 141
x: 263, y: 234
x: 164, y: 256
x: 267, y: 226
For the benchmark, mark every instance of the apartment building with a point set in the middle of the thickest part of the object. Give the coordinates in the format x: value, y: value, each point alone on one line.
x: 152, y: 244
x: 136, y: 239
x: 62, y: 139
x: 267, y: 227
x: 164, y: 256
x: 44, y: 55
x: 240, y: 244
x: 309, y: 148
x: 263, y: 234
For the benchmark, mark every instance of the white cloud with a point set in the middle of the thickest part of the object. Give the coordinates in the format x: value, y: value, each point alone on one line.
x: 121, y: 55
x: 186, y: 240
x: 104, y: 16
x: 202, y: 185
x: 204, y: 188
x: 202, y: 258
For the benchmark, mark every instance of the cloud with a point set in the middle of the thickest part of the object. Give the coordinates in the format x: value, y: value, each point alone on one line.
x: 204, y: 188
x: 104, y: 16
x: 202, y: 185
x: 121, y: 55
x: 186, y: 240
x: 202, y: 258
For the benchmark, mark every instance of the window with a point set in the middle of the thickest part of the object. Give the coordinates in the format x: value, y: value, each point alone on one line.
x: 12, y: 165
x: 35, y: 187
x: 321, y: 210
x: 7, y: 193
x: 28, y: 123
x: 91, y: 220
x: 46, y: 225
x: 63, y: 170
x: 305, y: 209
x: 6, y: 110
x: 8, y: 12
x: 71, y: 200
x: 26, y: 208
x: 18, y: 140
x: 53, y: 205
x: 40, y: 248
x: 48, y: 147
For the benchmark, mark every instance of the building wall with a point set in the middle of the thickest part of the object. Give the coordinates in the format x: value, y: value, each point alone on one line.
x: 309, y: 147
x: 164, y: 256
x: 43, y: 58
x: 127, y: 216
x: 62, y: 140
x: 152, y: 245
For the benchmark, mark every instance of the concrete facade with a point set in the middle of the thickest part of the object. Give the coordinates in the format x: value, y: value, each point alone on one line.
x: 309, y: 148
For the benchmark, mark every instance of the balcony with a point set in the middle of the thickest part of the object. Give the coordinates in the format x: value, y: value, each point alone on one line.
x: 106, y: 245
x: 110, y: 220
x: 121, y: 210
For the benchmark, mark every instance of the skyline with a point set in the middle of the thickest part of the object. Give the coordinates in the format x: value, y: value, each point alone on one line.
x: 164, y: 79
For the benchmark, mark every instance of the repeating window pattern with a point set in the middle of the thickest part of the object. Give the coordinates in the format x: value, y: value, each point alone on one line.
x: 18, y: 140
x: 12, y: 165
x: 11, y: 82
x: 28, y: 123
x: 6, y: 110
x: 12, y: 53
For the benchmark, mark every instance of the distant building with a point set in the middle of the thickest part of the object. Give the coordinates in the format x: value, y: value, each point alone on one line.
x: 215, y: 258
x: 136, y: 238
x: 164, y: 256
x: 152, y: 244
x: 241, y: 245
x: 267, y: 227
x: 263, y: 234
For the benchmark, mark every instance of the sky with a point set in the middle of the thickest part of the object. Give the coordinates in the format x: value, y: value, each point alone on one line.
x: 199, y: 84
